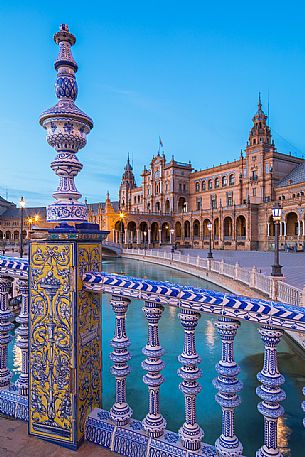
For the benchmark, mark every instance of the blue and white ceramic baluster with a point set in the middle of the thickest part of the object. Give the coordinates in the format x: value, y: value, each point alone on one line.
x: 23, y: 338
x: 154, y: 423
x: 228, y: 386
x: 120, y: 412
x: 190, y: 433
x: 270, y: 392
x: 6, y: 325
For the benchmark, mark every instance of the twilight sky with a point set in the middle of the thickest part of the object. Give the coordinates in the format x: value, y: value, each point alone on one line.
x: 187, y: 71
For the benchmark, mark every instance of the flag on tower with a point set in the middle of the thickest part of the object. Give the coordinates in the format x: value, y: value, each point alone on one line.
x: 160, y: 142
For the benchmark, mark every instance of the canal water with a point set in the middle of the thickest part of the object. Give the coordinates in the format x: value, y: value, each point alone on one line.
x: 248, y: 354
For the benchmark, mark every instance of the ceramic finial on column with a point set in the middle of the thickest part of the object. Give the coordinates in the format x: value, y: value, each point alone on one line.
x: 67, y: 127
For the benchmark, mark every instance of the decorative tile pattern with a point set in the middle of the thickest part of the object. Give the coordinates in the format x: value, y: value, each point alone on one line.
x: 51, y: 342
x: 201, y: 300
x: 132, y: 441
x: 89, y: 350
x: 14, y: 405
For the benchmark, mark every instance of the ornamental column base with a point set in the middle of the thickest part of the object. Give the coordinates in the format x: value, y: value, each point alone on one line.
x: 22, y: 385
x: 191, y: 436
x: 264, y: 451
x: 229, y: 447
x: 154, y: 425
x: 121, y: 413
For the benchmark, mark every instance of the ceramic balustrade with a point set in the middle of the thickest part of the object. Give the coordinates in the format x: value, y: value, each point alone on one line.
x: 231, y: 310
x: 271, y: 317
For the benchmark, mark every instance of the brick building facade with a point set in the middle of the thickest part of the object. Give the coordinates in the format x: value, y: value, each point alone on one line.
x: 175, y: 203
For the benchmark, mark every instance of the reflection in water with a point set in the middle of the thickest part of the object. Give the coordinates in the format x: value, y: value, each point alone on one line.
x: 283, y: 436
x: 17, y: 359
x: 210, y: 334
x: 172, y: 311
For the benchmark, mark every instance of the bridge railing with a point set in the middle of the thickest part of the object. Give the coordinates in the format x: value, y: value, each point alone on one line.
x: 272, y: 319
x: 271, y: 287
x: 116, y: 429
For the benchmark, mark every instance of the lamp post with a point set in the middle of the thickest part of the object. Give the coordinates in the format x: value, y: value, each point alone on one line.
x: 172, y: 231
x: 145, y: 234
x: 277, y: 216
x: 209, y: 227
x: 22, y: 205
x: 121, y: 225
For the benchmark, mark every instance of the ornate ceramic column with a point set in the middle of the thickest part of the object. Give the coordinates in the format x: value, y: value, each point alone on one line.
x: 270, y: 392
x: 65, y: 320
x: 23, y: 337
x: 228, y: 386
x: 67, y: 127
x: 154, y: 423
x: 6, y: 326
x: 120, y: 412
x: 190, y: 433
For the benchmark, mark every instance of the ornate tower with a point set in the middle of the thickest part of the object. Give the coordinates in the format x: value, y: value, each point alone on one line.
x: 260, y: 133
x: 128, y: 182
x: 67, y: 127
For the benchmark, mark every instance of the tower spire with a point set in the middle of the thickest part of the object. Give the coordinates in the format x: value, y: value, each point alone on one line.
x: 67, y: 127
x: 259, y: 102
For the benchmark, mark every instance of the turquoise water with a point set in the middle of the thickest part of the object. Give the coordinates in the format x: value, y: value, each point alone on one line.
x: 248, y: 354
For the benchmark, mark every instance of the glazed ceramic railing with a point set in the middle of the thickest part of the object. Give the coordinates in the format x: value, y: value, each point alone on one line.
x: 273, y: 288
x: 13, y: 398
x: 271, y: 317
x: 116, y: 429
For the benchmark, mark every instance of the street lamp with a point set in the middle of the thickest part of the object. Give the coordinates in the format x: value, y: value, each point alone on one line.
x: 209, y: 227
x: 145, y: 234
x: 22, y: 205
x: 30, y: 221
x: 277, y: 216
x: 121, y: 219
x: 172, y: 231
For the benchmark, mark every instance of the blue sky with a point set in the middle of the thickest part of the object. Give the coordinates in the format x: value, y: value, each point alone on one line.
x: 187, y: 71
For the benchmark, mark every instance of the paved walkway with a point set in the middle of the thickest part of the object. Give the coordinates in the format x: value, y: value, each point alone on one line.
x: 293, y: 262
x: 15, y: 442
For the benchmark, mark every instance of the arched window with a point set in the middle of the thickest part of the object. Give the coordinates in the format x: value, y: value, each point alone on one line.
x: 203, y: 185
x: 224, y: 181
x: 210, y: 184
x: 231, y: 180
x: 197, y: 187
x: 216, y: 183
